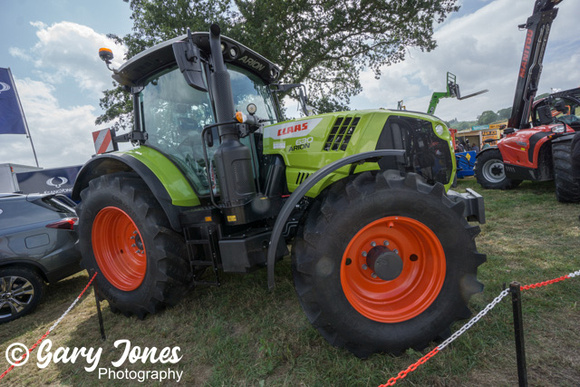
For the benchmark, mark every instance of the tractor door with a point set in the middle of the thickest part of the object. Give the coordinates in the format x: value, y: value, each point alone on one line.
x: 173, y: 114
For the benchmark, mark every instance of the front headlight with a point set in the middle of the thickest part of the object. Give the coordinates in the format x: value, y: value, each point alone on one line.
x: 559, y: 128
x: 439, y: 130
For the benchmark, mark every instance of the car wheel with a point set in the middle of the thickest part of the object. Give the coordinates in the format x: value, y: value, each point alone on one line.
x: 20, y: 292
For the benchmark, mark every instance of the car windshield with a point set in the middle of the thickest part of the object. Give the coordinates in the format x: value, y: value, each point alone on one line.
x: 174, y: 114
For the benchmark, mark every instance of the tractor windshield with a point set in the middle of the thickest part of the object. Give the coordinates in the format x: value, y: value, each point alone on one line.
x: 174, y: 114
x: 248, y: 88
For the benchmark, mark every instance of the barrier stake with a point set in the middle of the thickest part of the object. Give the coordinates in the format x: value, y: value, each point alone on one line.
x: 519, y: 333
x: 99, y: 314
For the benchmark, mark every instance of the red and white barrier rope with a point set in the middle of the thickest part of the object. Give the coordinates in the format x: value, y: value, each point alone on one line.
x: 49, y: 329
x: 401, y: 375
x: 552, y: 281
x: 392, y: 381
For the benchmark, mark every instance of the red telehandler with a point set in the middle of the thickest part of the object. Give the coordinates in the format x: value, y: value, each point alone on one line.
x: 537, y: 142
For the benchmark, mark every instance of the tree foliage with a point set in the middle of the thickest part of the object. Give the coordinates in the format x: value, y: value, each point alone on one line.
x: 324, y: 44
x: 504, y: 114
x: 461, y: 125
x: 487, y: 117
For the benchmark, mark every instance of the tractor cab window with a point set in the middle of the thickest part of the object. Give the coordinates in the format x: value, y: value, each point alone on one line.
x: 173, y: 114
x: 248, y: 88
x: 566, y: 111
x: 553, y: 110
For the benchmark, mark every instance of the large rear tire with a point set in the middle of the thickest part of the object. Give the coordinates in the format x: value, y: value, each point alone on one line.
x: 567, y: 187
x: 383, y: 263
x: 490, y: 171
x: 125, y: 236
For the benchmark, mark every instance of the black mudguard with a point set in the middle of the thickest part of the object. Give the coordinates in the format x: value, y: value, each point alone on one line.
x: 301, y: 191
x: 119, y: 162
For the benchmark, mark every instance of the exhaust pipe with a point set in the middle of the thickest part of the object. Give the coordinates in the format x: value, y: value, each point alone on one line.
x: 232, y: 160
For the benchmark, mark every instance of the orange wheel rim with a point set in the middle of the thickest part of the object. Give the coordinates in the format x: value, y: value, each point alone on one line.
x: 416, y: 284
x: 119, y: 249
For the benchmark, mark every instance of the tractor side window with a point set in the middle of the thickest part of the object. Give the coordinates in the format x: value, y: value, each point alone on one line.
x: 173, y: 114
x: 553, y: 110
x: 565, y: 111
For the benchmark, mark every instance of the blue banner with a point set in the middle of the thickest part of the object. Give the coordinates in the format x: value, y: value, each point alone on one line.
x: 48, y: 181
x: 11, y: 115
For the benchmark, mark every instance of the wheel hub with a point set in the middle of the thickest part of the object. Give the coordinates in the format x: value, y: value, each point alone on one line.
x: 15, y: 294
x: 496, y: 170
x: 385, y: 263
x: 393, y: 269
x: 119, y: 249
x: 493, y: 171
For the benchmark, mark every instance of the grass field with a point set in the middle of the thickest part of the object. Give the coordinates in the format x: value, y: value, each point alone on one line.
x: 242, y: 334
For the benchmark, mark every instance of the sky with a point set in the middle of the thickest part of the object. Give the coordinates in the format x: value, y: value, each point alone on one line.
x: 52, y: 47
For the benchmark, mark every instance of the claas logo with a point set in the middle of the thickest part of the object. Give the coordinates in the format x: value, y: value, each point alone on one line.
x: 292, y: 129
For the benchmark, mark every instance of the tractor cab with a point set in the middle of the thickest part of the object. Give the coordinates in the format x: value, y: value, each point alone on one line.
x: 173, y: 104
x: 173, y: 115
x: 558, y: 108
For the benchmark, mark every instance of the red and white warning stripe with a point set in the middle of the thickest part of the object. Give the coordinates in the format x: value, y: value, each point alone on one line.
x: 103, y: 141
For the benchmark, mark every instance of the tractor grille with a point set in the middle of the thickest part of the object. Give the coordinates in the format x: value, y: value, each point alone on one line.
x: 301, y: 177
x: 341, y: 133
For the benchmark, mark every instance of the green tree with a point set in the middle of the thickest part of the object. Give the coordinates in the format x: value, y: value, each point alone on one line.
x: 323, y: 44
x: 487, y: 117
x: 465, y: 125
x: 504, y: 113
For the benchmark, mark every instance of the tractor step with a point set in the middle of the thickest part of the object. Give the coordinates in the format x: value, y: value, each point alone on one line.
x: 202, y: 248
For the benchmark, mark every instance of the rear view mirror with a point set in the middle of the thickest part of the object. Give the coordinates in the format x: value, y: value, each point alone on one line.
x: 188, y: 59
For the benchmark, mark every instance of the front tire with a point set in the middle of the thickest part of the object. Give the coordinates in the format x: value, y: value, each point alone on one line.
x: 383, y: 263
x: 126, y: 237
x: 490, y: 171
x: 567, y: 187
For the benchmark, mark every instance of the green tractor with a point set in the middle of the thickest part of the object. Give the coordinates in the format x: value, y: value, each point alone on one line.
x: 383, y: 257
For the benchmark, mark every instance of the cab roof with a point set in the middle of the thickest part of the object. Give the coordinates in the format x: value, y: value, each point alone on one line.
x: 141, y: 66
